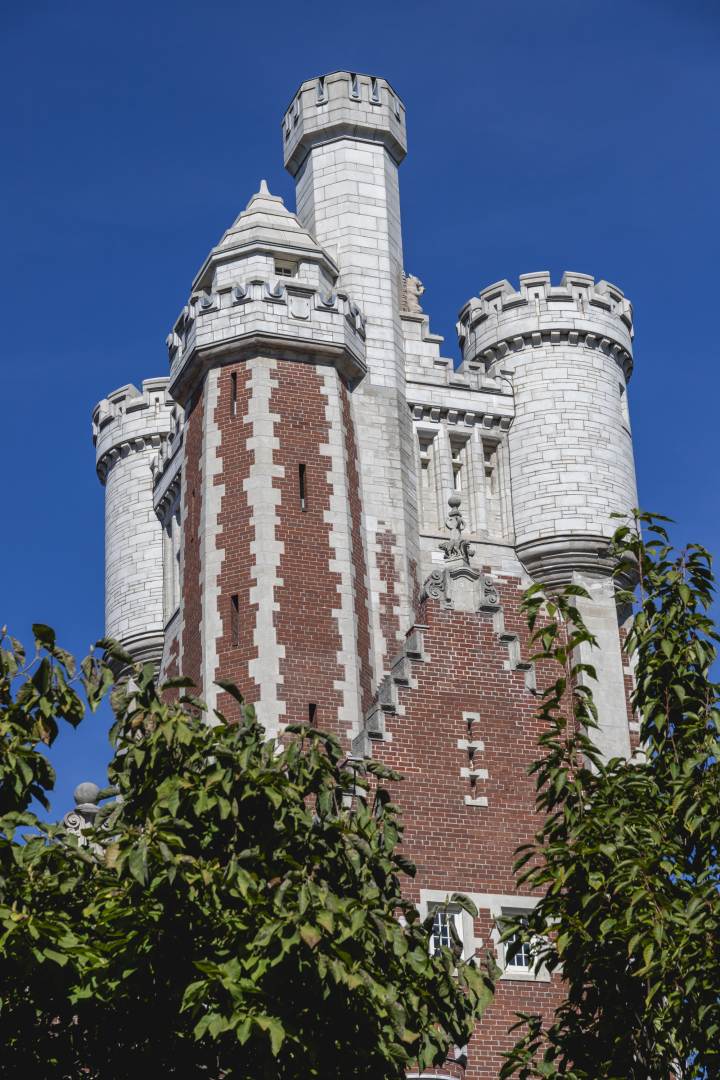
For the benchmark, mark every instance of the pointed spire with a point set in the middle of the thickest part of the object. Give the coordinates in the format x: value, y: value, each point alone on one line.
x: 265, y: 225
x: 264, y: 202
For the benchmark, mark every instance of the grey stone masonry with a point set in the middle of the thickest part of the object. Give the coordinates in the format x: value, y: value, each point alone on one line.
x: 566, y: 351
x: 129, y: 427
x: 240, y: 306
x: 344, y: 136
x: 340, y: 104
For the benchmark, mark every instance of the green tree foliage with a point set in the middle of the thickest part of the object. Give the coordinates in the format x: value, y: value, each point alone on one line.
x: 627, y: 860
x: 236, y: 911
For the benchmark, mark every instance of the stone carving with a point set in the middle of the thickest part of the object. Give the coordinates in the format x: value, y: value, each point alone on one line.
x: 456, y: 547
x: 459, y: 584
x: 489, y: 595
x: 435, y: 587
x: 85, y: 812
x: 328, y: 300
x: 412, y: 290
x: 356, y: 317
x: 274, y: 291
x: 299, y: 307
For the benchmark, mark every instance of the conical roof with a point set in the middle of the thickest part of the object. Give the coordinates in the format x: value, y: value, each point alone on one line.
x: 266, y: 225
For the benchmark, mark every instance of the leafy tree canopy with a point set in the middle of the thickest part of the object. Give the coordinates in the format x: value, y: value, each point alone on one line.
x: 627, y: 859
x: 235, y: 910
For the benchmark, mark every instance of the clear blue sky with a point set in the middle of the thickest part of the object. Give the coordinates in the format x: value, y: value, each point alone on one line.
x: 572, y: 135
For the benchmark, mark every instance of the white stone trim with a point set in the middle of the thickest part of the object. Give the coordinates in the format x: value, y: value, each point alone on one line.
x: 211, y: 554
x: 497, y: 904
x: 265, y: 549
x: 339, y: 519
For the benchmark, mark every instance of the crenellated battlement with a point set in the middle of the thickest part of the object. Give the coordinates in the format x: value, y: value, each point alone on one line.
x: 343, y: 103
x: 273, y: 315
x: 578, y: 311
x: 129, y: 420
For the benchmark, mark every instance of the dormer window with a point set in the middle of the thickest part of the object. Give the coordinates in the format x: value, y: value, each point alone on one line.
x: 283, y: 268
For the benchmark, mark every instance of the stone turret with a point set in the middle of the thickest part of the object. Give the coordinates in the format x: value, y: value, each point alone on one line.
x: 567, y: 350
x: 344, y: 138
x: 129, y: 426
x: 263, y: 358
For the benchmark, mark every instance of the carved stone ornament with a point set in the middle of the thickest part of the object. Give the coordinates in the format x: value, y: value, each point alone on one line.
x: 459, y: 584
x: 299, y: 307
x: 412, y: 290
x: 85, y: 812
x: 456, y: 547
x: 435, y: 587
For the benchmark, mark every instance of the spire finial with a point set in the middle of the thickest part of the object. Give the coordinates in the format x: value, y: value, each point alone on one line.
x: 264, y: 189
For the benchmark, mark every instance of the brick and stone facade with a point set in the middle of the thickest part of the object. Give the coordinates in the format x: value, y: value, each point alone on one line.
x: 319, y: 507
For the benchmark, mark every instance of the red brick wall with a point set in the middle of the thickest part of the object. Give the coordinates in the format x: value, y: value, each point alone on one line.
x: 308, y: 596
x: 308, y: 599
x: 469, y: 848
x: 235, y: 648
x: 191, y: 516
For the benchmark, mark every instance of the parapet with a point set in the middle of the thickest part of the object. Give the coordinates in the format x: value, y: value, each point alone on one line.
x: 343, y: 104
x: 283, y: 316
x: 578, y: 311
x: 129, y: 420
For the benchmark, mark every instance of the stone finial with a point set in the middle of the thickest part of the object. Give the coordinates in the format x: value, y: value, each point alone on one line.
x: 87, y: 792
x: 456, y: 547
x: 86, y: 809
x: 412, y: 290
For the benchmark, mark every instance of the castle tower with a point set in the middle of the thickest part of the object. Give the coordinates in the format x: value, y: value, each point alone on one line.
x: 344, y: 138
x: 129, y: 426
x: 273, y: 573
x: 320, y: 508
x: 567, y: 352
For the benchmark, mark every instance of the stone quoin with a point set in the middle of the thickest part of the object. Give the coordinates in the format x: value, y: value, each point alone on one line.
x: 316, y: 505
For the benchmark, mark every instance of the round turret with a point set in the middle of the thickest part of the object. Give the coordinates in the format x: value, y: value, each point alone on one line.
x: 567, y: 350
x: 128, y: 427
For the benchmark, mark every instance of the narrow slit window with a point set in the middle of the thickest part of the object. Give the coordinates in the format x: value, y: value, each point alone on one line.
x: 312, y: 712
x: 302, y: 486
x: 233, y: 394
x: 234, y: 620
